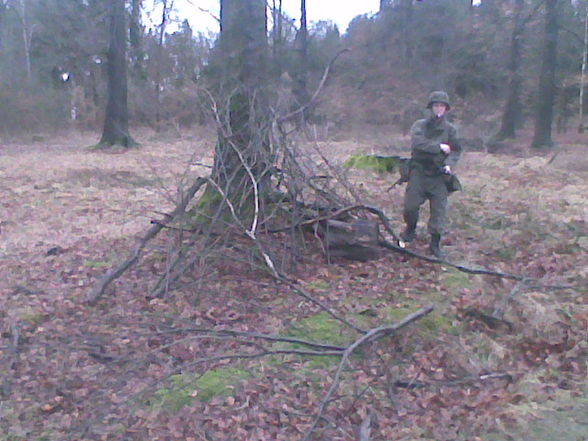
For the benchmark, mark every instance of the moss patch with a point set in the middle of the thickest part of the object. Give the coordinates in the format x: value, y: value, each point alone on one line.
x: 185, y: 388
x: 380, y: 164
x: 320, y: 328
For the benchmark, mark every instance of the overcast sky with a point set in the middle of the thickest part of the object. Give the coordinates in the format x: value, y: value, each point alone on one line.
x: 340, y: 12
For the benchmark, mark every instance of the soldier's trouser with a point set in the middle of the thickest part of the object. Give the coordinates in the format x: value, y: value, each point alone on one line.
x: 419, y: 189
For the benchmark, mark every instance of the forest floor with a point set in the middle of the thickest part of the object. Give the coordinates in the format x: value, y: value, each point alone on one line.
x: 136, y: 367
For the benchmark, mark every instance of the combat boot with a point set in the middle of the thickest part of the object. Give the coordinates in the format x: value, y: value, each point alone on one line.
x: 435, y: 246
x: 409, y: 234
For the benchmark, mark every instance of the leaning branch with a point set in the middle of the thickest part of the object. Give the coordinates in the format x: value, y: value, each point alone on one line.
x: 116, y: 272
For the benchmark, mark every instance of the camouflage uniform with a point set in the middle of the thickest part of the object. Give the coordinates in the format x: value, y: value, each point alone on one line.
x: 427, y: 180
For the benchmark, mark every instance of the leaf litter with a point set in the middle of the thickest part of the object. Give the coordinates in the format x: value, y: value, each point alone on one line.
x: 71, y: 371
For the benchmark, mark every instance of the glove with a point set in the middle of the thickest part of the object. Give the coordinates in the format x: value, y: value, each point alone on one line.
x: 446, y: 170
x: 445, y: 148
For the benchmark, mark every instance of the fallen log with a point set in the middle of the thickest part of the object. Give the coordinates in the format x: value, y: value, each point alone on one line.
x: 356, y: 239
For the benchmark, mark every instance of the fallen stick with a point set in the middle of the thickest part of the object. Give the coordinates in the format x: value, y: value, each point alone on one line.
x: 369, y: 337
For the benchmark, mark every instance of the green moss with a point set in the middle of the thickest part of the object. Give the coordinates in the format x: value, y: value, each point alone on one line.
x: 381, y: 164
x: 185, y: 388
x: 207, y: 207
x: 320, y: 328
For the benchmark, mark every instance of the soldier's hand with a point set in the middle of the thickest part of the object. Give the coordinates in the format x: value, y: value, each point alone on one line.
x: 445, y: 148
x: 446, y: 170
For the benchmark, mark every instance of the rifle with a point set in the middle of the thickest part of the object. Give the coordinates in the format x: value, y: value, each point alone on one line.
x: 404, y: 170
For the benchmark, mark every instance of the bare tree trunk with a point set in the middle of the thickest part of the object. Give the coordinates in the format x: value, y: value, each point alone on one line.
x: 27, y: 36
x: 116, y: 121
x: 136, y: 38
x: 512, y: 109
x: 277, y: 28
x: 583, y: 75
x: 406, y: 38
x: 300, y: 90
x: 164, y: 17
x: 3, y: 9
x: 546, y: 94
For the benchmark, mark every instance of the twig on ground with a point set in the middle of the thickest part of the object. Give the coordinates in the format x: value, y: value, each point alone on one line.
x: 365, y: 429
x: 454, y: 383
x: 253, y: 335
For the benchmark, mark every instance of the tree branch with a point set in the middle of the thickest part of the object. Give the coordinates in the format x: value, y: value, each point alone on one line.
x: 314, y: 97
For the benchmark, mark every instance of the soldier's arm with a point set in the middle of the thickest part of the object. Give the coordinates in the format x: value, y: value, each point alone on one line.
x: 456, y: 149
x: 420, y: 143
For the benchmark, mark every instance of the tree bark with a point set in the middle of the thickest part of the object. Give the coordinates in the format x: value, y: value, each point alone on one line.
x: 512, y: 108
x: 546, y: 94
x: 242, y: 156
x: 116, y: 120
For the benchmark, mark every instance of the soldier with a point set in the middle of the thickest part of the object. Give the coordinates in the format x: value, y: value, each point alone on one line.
x: 435, y: 150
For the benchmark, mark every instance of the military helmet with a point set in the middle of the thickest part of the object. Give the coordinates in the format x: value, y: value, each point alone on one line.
x: 439, y: 96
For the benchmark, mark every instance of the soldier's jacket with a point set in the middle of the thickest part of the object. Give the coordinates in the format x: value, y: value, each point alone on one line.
x: 426, y: 135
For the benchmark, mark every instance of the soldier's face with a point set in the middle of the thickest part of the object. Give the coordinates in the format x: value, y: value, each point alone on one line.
x: 439, y: 109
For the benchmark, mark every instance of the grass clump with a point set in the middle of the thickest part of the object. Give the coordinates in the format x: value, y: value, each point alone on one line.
x: 96, y: 264
x: 434, y: 323
x: 453, y: 278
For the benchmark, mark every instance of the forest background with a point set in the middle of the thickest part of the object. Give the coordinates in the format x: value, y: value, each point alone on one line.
x: 53, y: 63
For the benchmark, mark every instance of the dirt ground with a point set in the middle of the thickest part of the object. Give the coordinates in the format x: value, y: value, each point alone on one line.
x: 68, y: 213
